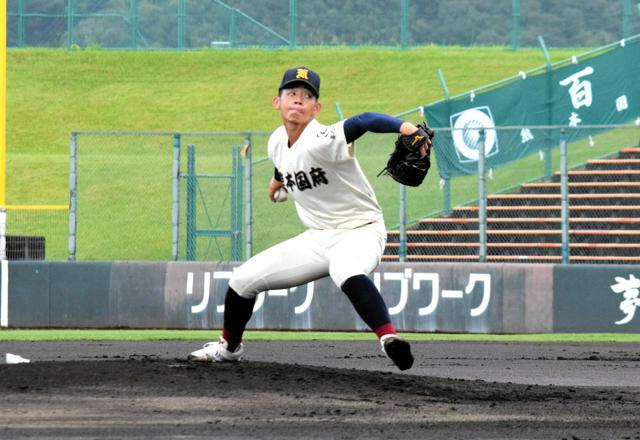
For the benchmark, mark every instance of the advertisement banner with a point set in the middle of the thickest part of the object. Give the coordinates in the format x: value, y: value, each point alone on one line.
x: 445, y: 297
x: 597, y: 299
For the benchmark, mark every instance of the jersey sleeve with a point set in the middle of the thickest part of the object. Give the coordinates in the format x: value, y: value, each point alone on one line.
x: 356, y: 126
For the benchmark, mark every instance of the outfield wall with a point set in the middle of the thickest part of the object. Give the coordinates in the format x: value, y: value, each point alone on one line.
x: 442, y: 297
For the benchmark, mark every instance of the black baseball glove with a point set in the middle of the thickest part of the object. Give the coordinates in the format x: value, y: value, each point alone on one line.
x: 405, y: 164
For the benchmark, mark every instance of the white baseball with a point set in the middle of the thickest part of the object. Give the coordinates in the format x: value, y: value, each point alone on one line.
x: 280, y: 195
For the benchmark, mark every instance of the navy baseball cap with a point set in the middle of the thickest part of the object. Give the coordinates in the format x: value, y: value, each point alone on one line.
x: 301, y: 76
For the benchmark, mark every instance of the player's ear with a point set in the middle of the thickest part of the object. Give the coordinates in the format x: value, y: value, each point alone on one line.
x: 316, y: 108
x: 275, y: 102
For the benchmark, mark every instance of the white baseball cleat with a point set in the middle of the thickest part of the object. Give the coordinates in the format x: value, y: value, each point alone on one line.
x: 217, y: 352
x: 398, y: 350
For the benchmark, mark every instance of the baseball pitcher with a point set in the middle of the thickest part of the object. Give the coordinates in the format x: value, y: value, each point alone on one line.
x: 316, y: 166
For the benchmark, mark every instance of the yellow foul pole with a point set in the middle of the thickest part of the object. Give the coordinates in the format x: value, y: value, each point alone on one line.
x: 3, y: 103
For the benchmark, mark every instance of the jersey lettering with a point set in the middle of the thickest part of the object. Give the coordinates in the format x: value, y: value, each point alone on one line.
x: 336, y: 193
x: 290, y: 183
x: 300, y: 180
x: 318, y: 176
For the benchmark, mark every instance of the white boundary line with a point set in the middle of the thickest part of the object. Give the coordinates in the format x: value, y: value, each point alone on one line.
x: 4, y: 294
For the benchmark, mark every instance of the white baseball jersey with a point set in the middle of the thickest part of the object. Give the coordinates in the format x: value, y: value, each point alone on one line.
x: 322, y: 175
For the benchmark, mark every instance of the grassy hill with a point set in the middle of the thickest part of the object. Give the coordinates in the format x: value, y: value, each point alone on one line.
x: 51, y: 93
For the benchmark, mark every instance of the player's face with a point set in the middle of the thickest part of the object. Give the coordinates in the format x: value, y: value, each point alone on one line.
x: 297, y: 105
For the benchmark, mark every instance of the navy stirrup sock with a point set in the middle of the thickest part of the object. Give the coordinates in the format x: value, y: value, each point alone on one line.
x: 369, y: 304
x: 237, y: 312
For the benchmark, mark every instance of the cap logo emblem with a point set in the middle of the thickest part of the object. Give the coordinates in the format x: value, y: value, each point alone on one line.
x: 302, y: 74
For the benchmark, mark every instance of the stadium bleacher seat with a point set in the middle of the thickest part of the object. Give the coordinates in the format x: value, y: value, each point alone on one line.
x: 604, y: 221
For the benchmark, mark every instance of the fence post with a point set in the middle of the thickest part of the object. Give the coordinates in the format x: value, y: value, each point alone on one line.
x: 402, y: 251
x: 236, y: 205
x: 181, y: 16
x: 133, y: 23
x: 20, y: 23
x: 482, y: 201
x: 564, y: 196
x: 446, y: 202
x: 191, y: 203
x: 339, y: 111
x: 447, y: 180
x: 73, y: 196
x: 293, y: 23
x: 515, y: 24
x: 548, y: 165
x: 626, y: 18
x: 69, y: 23
x: 175, y: 208
x: 233, y: 28
x: 3, y: 233
x: 404, y: 24
x: 248, y: 176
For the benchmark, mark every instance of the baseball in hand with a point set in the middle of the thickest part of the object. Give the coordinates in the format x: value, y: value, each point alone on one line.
x: 280, y: 195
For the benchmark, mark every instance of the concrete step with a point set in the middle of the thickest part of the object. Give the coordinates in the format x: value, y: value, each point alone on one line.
x: 520, y: 199
x: 600, y: 223
x: 613, y: 164
x: 550, y: 211
x: 593, y: 176
x: 581, y: 187
x: 529, y: 249
x: 518, y: 236
x: 578, y: 259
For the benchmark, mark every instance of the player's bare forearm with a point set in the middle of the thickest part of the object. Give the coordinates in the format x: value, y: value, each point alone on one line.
x: 274, y: 186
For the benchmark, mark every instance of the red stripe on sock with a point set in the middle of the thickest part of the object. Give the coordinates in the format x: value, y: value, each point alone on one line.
x: 385, y: 329
x: 231, y: 340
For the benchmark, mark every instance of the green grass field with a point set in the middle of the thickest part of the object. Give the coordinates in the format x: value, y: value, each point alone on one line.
x: 124, y: 189
x: 149, y: 335
x: 51, y: 93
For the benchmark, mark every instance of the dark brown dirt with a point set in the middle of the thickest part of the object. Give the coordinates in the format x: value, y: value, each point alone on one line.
x: 141, y: 395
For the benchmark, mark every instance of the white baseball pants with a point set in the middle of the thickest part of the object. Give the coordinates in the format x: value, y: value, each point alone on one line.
x: 314, y: 254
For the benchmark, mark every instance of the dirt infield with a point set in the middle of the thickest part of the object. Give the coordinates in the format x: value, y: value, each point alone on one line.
x: 341, y: 390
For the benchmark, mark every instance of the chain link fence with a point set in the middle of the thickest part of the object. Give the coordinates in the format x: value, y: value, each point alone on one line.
x: 526, y: 212
x: 121, y: 196
x: 34, y: 232
x: 196, y: 24
x: 130, y: 203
